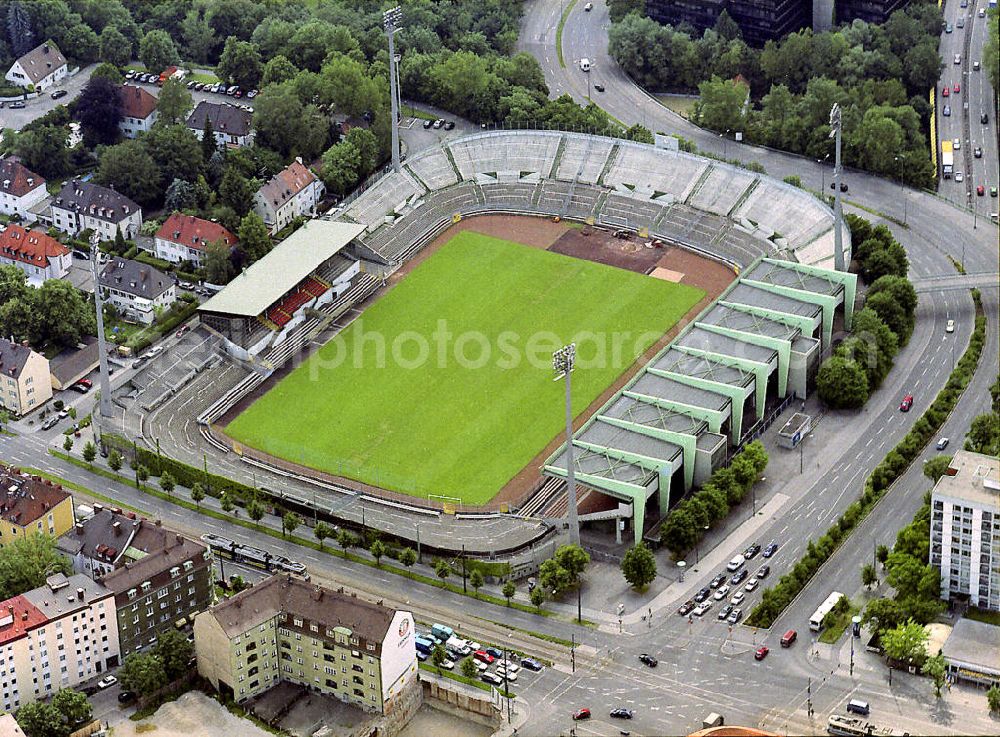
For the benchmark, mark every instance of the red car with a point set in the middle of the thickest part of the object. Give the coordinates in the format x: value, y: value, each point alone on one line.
x: 761, y: 652
x: 86, y: 382
x: 946, y: 92
x: 581, y: 714
x: 980, y: 190
x: 484, y: 657
x: 907, y: 403
x: 958, y: 88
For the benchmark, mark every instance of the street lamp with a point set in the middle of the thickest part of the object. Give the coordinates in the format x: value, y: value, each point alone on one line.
x: 562, y: 363
x: 391, y: 18
x: 725, y: 143
x: 822, y: 176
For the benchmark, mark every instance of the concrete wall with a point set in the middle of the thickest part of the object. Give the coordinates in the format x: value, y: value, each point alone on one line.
x: 461, y: 703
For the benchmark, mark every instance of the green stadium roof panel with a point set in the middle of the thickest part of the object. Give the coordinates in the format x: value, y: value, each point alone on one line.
x: 267, y: 280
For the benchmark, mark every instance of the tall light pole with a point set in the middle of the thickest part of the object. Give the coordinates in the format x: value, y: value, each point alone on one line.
x: 392, y: 17
x: 838, y: 215
x: 562, y: 363
x: 104, y: 410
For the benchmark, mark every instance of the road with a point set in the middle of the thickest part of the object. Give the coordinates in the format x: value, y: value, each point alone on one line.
x: 38, y: 106
x: 974, y: 96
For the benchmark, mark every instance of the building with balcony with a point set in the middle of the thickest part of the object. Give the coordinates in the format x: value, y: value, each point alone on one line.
x: 80, y: 205
x: 965, y: 530
x: 292, y: 192
x: 137, y: 290
x: 186, y: 238
x: 284, y: 629
x: 37, y: 254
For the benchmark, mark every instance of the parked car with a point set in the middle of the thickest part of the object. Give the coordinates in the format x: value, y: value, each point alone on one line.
x: 510, y: 676
x: 686, y: 607
x: 751, y: 584
x: 735, y: 616
x: 438, y: 123
x: 125, y: 697
x: 761, y: 652
x: 483, y: 657
x: 724, y: 612
x: 581, y: 714
x: 428, y: 124
x: 738, y: 577
x: 648, y: 660
x: 130, y: 74
x: 50, y: 423
x: 107, y: 681
x: 491, y: 678
x: 56, y: 94
x: 736, y: 563
x: 531, y: 664
x: 621, y: 712
x: 17, y: 105
x: 81, y: 388
x: 738, y: 598
x: 449, y: 125
x: 751, y: 551
x: 701, y: 609
x: 721, y: 593
x: 702, y: 595
x: 959, y: 177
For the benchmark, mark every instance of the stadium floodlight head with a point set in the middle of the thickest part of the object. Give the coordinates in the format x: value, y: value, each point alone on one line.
x: 391, y: 18
x: 564, y: 359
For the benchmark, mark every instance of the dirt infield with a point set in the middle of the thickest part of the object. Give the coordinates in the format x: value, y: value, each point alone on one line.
x: 595, y: 244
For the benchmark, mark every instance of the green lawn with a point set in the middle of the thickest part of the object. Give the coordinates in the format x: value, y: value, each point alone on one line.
x: 369, y: 406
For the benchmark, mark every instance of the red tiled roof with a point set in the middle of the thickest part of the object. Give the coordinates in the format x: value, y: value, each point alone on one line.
x: 286, y: 184
x: 17, y: 616
x: 14, y: 177
x: 136, y: 102
x: 187, y: 230
x: 29, y: 246
x: 25, y: 499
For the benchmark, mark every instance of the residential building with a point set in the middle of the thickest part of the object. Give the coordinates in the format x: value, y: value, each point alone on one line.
x: 22, y: 189
x: 40, y: 68
x: 138, y: 111
x: 965, y: 530
x: 160, y: 590
x: 55, y: 637
x: 37, y: 254
x: 759, y: 20
x: 233, y: 126
x: 185, y: 238
x: 292, y: 192
x: 81, y: 205
x: 30, y: 504
x: 110, y: 539
x: 24, y: 378
x: 138, y: 290
x: 284, y: 629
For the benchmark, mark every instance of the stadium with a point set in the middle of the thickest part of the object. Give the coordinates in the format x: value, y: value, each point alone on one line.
x: 721, y: 277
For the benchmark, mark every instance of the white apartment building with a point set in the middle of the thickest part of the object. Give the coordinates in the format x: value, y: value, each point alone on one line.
x: 138, y: 291
x: 292, y: 192
x: 965, y: 530
x: 20, y: 188
x: 54, y: 637
x: 40, y: 68
x: 81, y: 205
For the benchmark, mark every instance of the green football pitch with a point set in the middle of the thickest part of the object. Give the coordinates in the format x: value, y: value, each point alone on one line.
x: 445, y: 386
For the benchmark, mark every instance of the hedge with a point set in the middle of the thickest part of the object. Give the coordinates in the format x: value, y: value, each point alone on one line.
x: 774, y: 600
x: 158, y: 263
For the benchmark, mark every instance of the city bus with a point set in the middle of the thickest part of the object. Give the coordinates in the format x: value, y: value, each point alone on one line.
x: 816, y: 620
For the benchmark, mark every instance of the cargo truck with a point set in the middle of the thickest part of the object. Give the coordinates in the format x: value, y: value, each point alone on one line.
x: 947, y: 160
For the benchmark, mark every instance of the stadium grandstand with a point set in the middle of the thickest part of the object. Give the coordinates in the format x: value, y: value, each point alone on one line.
x: 303, y: 276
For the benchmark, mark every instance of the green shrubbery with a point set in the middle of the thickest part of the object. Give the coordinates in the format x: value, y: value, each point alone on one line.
x: 774, y: 600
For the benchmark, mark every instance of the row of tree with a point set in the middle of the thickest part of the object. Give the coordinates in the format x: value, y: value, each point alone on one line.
x: 879, y: 74
x: 55, y: 314
x: 65, y: 712
x: 687, y: 523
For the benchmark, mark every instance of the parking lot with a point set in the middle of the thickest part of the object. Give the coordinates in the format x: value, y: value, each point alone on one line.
x: 199, y: 91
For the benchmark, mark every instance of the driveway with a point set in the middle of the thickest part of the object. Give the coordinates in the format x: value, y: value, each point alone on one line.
x: 38, y: 106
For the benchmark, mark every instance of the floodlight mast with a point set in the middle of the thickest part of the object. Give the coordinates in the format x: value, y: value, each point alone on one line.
x: 392, y: 18
x: 838, y: 214
x: 563, y: 361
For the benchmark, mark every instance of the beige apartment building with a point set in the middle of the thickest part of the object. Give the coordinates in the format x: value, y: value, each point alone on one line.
x: 54, y: 637
x: 284, y: 629
x: 25, y: 382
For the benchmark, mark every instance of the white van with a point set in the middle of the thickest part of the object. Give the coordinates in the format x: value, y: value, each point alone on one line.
x: 458, y: 645
x: 736, y: 563
x: 585, y: 65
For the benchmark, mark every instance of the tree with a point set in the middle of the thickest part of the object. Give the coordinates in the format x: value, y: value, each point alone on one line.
x: 108, y: 71
x: 345, y: 539
x: 442, y: 569
x: 553, y: 577
x: 537, y: 597
x: 39, y: 719
x: 841, y: 383
x: 993, y: 698
x: 936, y: 467
x: 114, y: 48
x: 26, y: 561
x: 43, y: 150
x: 68, y: 444
x: 476, y: 580
x: 218, y: 263
x: 640, y: 133
x: 176, y: 150
x: 639, y: 566
x: 181, y: 195
x: 73, y: 706
x: 235, y: 191
x: 721, y: 104
x: 573, y: 559
x: 936, y: 668
x: 377, y: 550
x: 869, y: 577
x: 882, y: 554
x: 141, y: 475
x: 199, y: 36
x: 984, y: 434
x: 290, y: 522
x: 254, y: 238
x: 906, y: 643
x: 167, y: 482
x: 82, y: 44
x: 197, y: 494
x: 175, y: 652
x: 438, y: 656
x: 240, y: 63
x: 22, y: 38
x: 226, y: 503
x: 277, y: 70
x: 128, y: 168
x: 341, y: 164
x: 255, y: 511
x: 508, y: 591
x: 407, y: 556
x: 157, y: 51
x: 142, y: 673
x: 99, y: 110
x: 364, y: 141
x: 209, y: 145
x: 115, y: 460
x: 89, y: 452
x: 679, y: 532
x: 173, y: 103
x: 469, y: 669
x: 321, y: 531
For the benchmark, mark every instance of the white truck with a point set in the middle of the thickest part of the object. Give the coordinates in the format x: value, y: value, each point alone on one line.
x: 947, y: 159
x: 585, y: 64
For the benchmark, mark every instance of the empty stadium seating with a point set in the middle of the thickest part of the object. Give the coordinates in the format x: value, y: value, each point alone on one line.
x: 487, y: 153
x: 649, y: 172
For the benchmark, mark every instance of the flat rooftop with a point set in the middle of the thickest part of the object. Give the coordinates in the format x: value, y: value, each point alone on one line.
x: 264, y: 282
x: 783, y: 273
x: 972, y: 477
x: 974, y: 643
x: 748, y: 294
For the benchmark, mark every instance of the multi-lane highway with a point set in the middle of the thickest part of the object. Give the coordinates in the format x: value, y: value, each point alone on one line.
x: 969, y: 96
